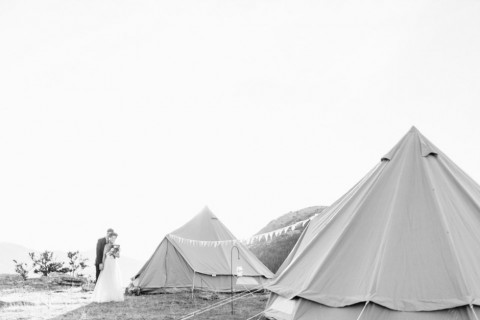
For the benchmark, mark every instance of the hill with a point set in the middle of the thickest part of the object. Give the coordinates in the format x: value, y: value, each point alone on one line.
x: 273, y: 252
x: 291, y: 217
x: 10, y: 251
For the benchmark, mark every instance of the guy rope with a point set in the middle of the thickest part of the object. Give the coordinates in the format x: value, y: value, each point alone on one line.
x: 219, y: 303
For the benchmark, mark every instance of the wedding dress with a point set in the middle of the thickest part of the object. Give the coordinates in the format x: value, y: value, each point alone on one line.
x: 109, y: 284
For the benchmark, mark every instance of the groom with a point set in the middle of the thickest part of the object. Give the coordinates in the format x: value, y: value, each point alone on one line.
x: 99, y: 259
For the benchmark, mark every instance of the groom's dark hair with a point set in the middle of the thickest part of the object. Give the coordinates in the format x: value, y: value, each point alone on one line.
x: 110, y: 230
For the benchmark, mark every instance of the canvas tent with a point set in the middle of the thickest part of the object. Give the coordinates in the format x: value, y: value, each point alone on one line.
x: 198, y: 255
x: 402, y: 244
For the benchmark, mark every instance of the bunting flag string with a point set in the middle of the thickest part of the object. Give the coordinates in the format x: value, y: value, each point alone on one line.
x: 203, y: 243
x: 259, y: 237
x: 269, y: 235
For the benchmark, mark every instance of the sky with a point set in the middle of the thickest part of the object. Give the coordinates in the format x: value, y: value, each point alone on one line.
x: 136, y: 114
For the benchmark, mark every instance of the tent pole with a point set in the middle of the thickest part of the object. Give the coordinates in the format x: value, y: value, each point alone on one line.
x: 231, y: 272
x: 473, y: 310
x: 364, y: 307
x: 193, y: 284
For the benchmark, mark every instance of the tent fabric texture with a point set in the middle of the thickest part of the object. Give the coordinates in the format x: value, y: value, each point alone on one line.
x: 202, y: 254
x: 403, y: 243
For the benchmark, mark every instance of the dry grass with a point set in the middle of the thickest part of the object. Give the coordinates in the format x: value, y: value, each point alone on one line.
x: 35, y: 299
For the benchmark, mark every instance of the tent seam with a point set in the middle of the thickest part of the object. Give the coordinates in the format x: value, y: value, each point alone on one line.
x: 378, y: 259
x: 447, y: 230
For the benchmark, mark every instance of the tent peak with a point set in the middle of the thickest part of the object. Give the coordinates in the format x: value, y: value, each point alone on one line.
x: 204, y: 226
x: 412, y: 142
x: 207, y: 212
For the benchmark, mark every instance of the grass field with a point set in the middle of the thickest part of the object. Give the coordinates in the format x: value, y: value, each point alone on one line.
x: 38, y: 299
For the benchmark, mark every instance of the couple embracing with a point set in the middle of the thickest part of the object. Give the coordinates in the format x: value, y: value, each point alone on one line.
x: 108, y: 286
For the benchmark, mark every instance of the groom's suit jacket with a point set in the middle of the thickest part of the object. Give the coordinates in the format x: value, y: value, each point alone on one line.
x: 100, y: 247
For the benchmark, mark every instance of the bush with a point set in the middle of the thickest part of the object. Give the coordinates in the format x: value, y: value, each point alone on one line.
x: 22, y: 269
x: 76, y: 262
x: 46, y: 264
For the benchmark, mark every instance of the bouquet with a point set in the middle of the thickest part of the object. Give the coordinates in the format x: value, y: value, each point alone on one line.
x: 115, y: 251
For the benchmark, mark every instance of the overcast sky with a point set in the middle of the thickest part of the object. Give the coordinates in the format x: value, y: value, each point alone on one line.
x: 136, y: 114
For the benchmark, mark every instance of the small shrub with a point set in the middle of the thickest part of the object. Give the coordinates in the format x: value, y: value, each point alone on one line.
x: 76, y: 262
x: 22, y: 269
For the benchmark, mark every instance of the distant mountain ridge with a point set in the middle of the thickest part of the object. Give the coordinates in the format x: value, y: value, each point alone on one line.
x: 273, y: 252
x: 10, y: 251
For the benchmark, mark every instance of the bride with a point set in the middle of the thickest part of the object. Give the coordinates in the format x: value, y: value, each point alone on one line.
x: 109, y: 284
